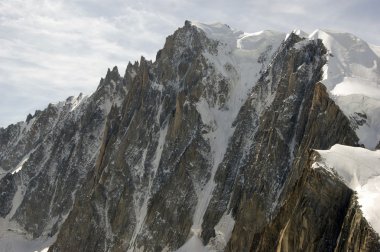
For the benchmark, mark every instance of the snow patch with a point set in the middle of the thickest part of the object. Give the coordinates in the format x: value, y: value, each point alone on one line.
x: 353, y: 69
x: 219, y: 32
x: 12, y: 239
x: 351, y: 85
x: 193, y: 244
x: 300, y: 33
x: 20, y: 165
x: 223, y: 232
x: 17, y: 199
x: 2, y: 173
x: 359, y: 168
x: 221, y: 122
x: 369, y: 109
x: 77, y: 101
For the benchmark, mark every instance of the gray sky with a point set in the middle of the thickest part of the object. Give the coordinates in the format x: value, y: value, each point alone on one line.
x: 52, y: 49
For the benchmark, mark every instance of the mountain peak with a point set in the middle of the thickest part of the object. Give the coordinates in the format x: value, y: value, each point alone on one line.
x: 113, y: 74
x: 300, y: 33
x: 210, y: 147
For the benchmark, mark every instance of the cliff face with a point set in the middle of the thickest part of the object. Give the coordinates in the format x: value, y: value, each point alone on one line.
x: 141, y: 191
x: 210, y: 143
x: 319, y: 213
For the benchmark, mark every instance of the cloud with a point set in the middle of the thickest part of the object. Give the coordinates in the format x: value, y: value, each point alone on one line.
x: 51, y: 49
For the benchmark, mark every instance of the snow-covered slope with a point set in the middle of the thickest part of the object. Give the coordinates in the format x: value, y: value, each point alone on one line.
x: 239, y: 60
x: 13, y: 239
x: 352, y: 76
x: 360, y: 170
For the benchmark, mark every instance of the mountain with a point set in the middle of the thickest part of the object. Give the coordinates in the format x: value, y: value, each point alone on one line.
x: 352, y: 77
x: 228, y: 141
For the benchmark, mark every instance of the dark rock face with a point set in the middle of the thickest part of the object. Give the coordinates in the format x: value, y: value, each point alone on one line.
x: 378, y: 146
x: 8, y: 189
x: 150, y: 143
x: 322, y: 203
x: 356, y: 234
x: 126, y: 169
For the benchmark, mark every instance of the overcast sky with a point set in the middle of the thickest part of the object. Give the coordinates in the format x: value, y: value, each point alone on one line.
x: 52, y: 49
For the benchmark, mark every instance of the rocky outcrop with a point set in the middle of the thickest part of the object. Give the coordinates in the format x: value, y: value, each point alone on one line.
x: 8, y: 190
x: 316, y: 198
x: 320, y: 213
x: 356, y: 234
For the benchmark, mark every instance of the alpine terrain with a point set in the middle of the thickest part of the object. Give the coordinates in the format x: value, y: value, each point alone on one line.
x: 228, y: 141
